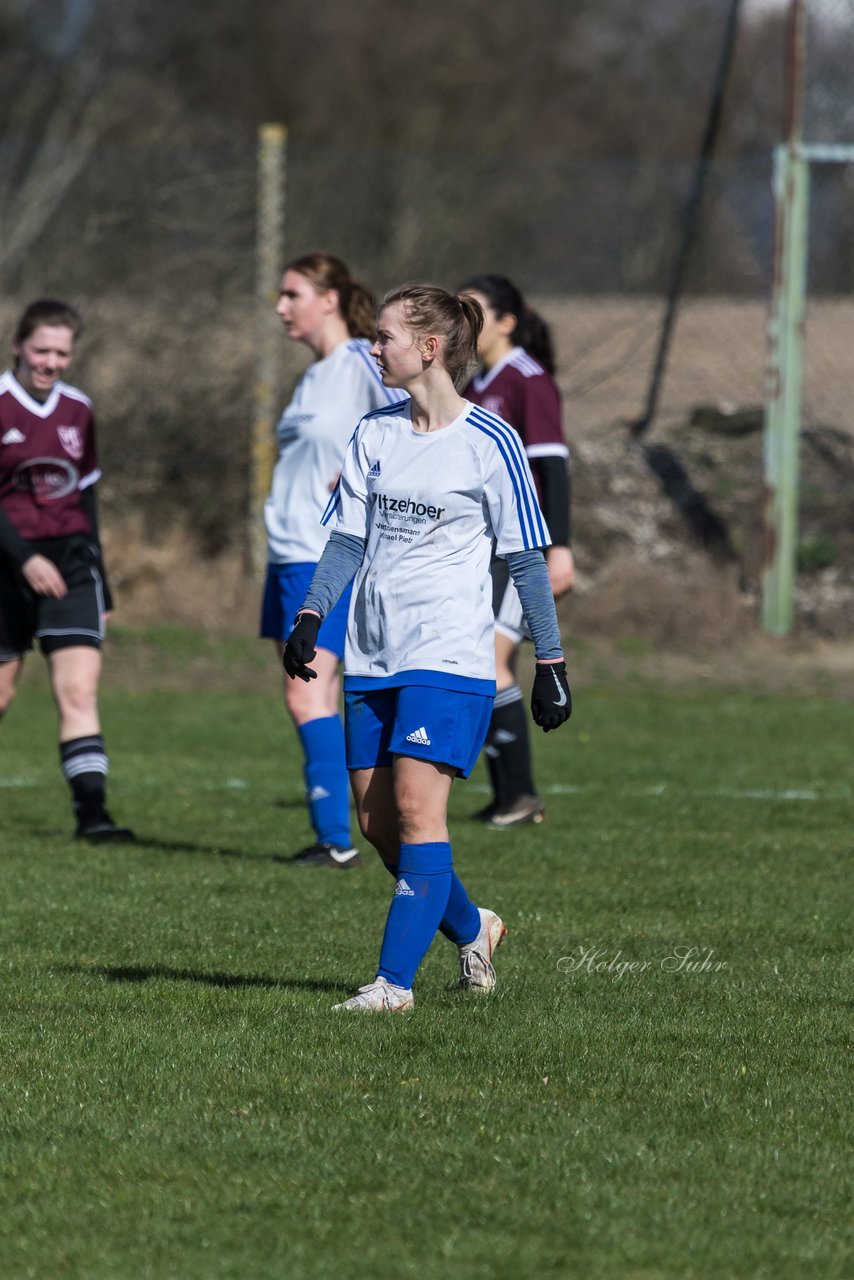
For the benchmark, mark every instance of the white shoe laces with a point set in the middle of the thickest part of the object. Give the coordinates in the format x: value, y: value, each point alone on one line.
x: 477, y: 971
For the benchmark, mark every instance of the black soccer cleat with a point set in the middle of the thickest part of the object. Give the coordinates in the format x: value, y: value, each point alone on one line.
x: 101, y: 829
x: 338, y: 857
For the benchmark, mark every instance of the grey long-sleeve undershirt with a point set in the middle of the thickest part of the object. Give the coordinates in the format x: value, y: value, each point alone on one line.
x: 344, y: 553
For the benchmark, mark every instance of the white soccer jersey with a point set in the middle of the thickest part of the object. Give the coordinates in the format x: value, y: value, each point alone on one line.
x: 330, y: 398
x: 430, y: 505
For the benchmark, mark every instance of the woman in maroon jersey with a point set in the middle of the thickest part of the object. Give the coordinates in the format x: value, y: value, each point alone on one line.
x: 515, y: 381
x: 52, y: 583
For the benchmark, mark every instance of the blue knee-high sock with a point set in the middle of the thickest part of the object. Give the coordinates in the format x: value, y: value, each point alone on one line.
x: 419, y: 902
x: 461, y: 922
x: 326, y: 782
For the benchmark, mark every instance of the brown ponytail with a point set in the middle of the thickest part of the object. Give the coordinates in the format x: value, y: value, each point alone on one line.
x: 355, y: 300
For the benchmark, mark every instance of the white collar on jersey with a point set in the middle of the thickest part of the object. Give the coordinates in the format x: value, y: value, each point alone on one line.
x: 41, y: 408
x: 482, y: 380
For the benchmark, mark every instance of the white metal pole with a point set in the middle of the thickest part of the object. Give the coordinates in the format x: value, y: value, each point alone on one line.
x: 783, y: 413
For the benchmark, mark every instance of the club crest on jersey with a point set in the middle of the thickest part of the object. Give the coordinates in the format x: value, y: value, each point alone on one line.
x: 493, y: 404
x: 374, y: 471
x: 71, y: 441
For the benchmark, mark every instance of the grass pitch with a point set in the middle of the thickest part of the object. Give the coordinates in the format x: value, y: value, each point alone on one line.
x: 655, y: 1091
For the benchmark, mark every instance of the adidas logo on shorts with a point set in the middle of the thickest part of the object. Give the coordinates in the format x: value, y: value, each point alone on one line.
x: 375, y: 470
x: 419, y: 737
x: 402, y: 890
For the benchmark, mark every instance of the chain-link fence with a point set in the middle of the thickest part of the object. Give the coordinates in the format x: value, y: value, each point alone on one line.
x: 821, y: 63
x: 158, y: 247
x: 827, y: 113
x: 809, y: 387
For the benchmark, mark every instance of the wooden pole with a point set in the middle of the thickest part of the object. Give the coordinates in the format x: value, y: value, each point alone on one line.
x: 269, y: 257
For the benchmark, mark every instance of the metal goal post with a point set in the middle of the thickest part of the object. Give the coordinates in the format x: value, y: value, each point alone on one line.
x: 792, y: 164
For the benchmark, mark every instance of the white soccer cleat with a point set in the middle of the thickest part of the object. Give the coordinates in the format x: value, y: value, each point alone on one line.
x: 476, y: 971
x: 518, y: 813
x: 379, y: 997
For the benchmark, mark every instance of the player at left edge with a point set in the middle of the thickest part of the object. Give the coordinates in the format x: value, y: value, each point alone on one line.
x: 52, y: 583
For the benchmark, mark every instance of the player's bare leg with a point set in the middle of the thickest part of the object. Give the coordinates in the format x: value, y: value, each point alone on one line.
x: 373, y: 793
x: 74, y: 675
x: 312, y: 699
x: 421, y: 792
x: 10, y: 673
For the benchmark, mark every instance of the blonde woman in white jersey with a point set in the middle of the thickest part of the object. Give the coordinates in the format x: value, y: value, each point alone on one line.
x: 322, y: 306
x: 428, y: 485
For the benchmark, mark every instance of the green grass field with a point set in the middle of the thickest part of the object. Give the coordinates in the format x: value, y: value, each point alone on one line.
x: 178, y: 1100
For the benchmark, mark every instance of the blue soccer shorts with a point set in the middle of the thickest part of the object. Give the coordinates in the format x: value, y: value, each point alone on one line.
x: 442, y: 725
x: 285, y: 591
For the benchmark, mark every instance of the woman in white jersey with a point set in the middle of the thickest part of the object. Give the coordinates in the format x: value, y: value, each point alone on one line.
x: 322, y: 306
x: 515, y: 381
x: 428, y: 485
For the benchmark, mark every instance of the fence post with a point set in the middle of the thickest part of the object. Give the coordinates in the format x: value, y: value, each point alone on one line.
x: 783, y: 412
x: 269, y: 257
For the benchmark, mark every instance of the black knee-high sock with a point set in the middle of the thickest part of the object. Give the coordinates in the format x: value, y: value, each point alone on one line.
x: 85, y: 766
x: 508, y: 752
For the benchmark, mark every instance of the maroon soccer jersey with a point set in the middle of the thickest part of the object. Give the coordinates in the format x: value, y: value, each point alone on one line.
x: 520, y: 391
x: 47, y: 457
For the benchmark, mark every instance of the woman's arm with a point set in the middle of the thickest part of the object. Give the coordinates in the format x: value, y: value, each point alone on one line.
x: 12, y: 544
x: 551, y: 701
x: 531, y: 579
x: 342, y: 556
x: 553, y: 479
x: 552, y: 475
x: 89, y: 504
x: 39, y: 573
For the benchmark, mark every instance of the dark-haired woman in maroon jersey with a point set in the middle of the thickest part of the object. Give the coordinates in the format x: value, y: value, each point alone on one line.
x: 515, y: 381
x: 52, y: 583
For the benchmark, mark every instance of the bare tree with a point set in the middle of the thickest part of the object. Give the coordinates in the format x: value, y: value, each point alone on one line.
x: 54, y: 101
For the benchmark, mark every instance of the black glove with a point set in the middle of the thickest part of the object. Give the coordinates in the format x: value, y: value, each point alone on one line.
x: 551, y: 701
x: 301, y: 647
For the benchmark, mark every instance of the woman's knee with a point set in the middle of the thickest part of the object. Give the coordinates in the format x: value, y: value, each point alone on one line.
x: 77, y: 696
x: 421, y: 790
x: 74, y: 677
x: 381, y: 834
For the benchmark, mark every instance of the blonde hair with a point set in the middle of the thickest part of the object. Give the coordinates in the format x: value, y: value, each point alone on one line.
x: 456, y: 320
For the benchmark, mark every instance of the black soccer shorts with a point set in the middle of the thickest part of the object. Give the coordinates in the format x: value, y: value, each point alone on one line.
x: 76, y: 619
